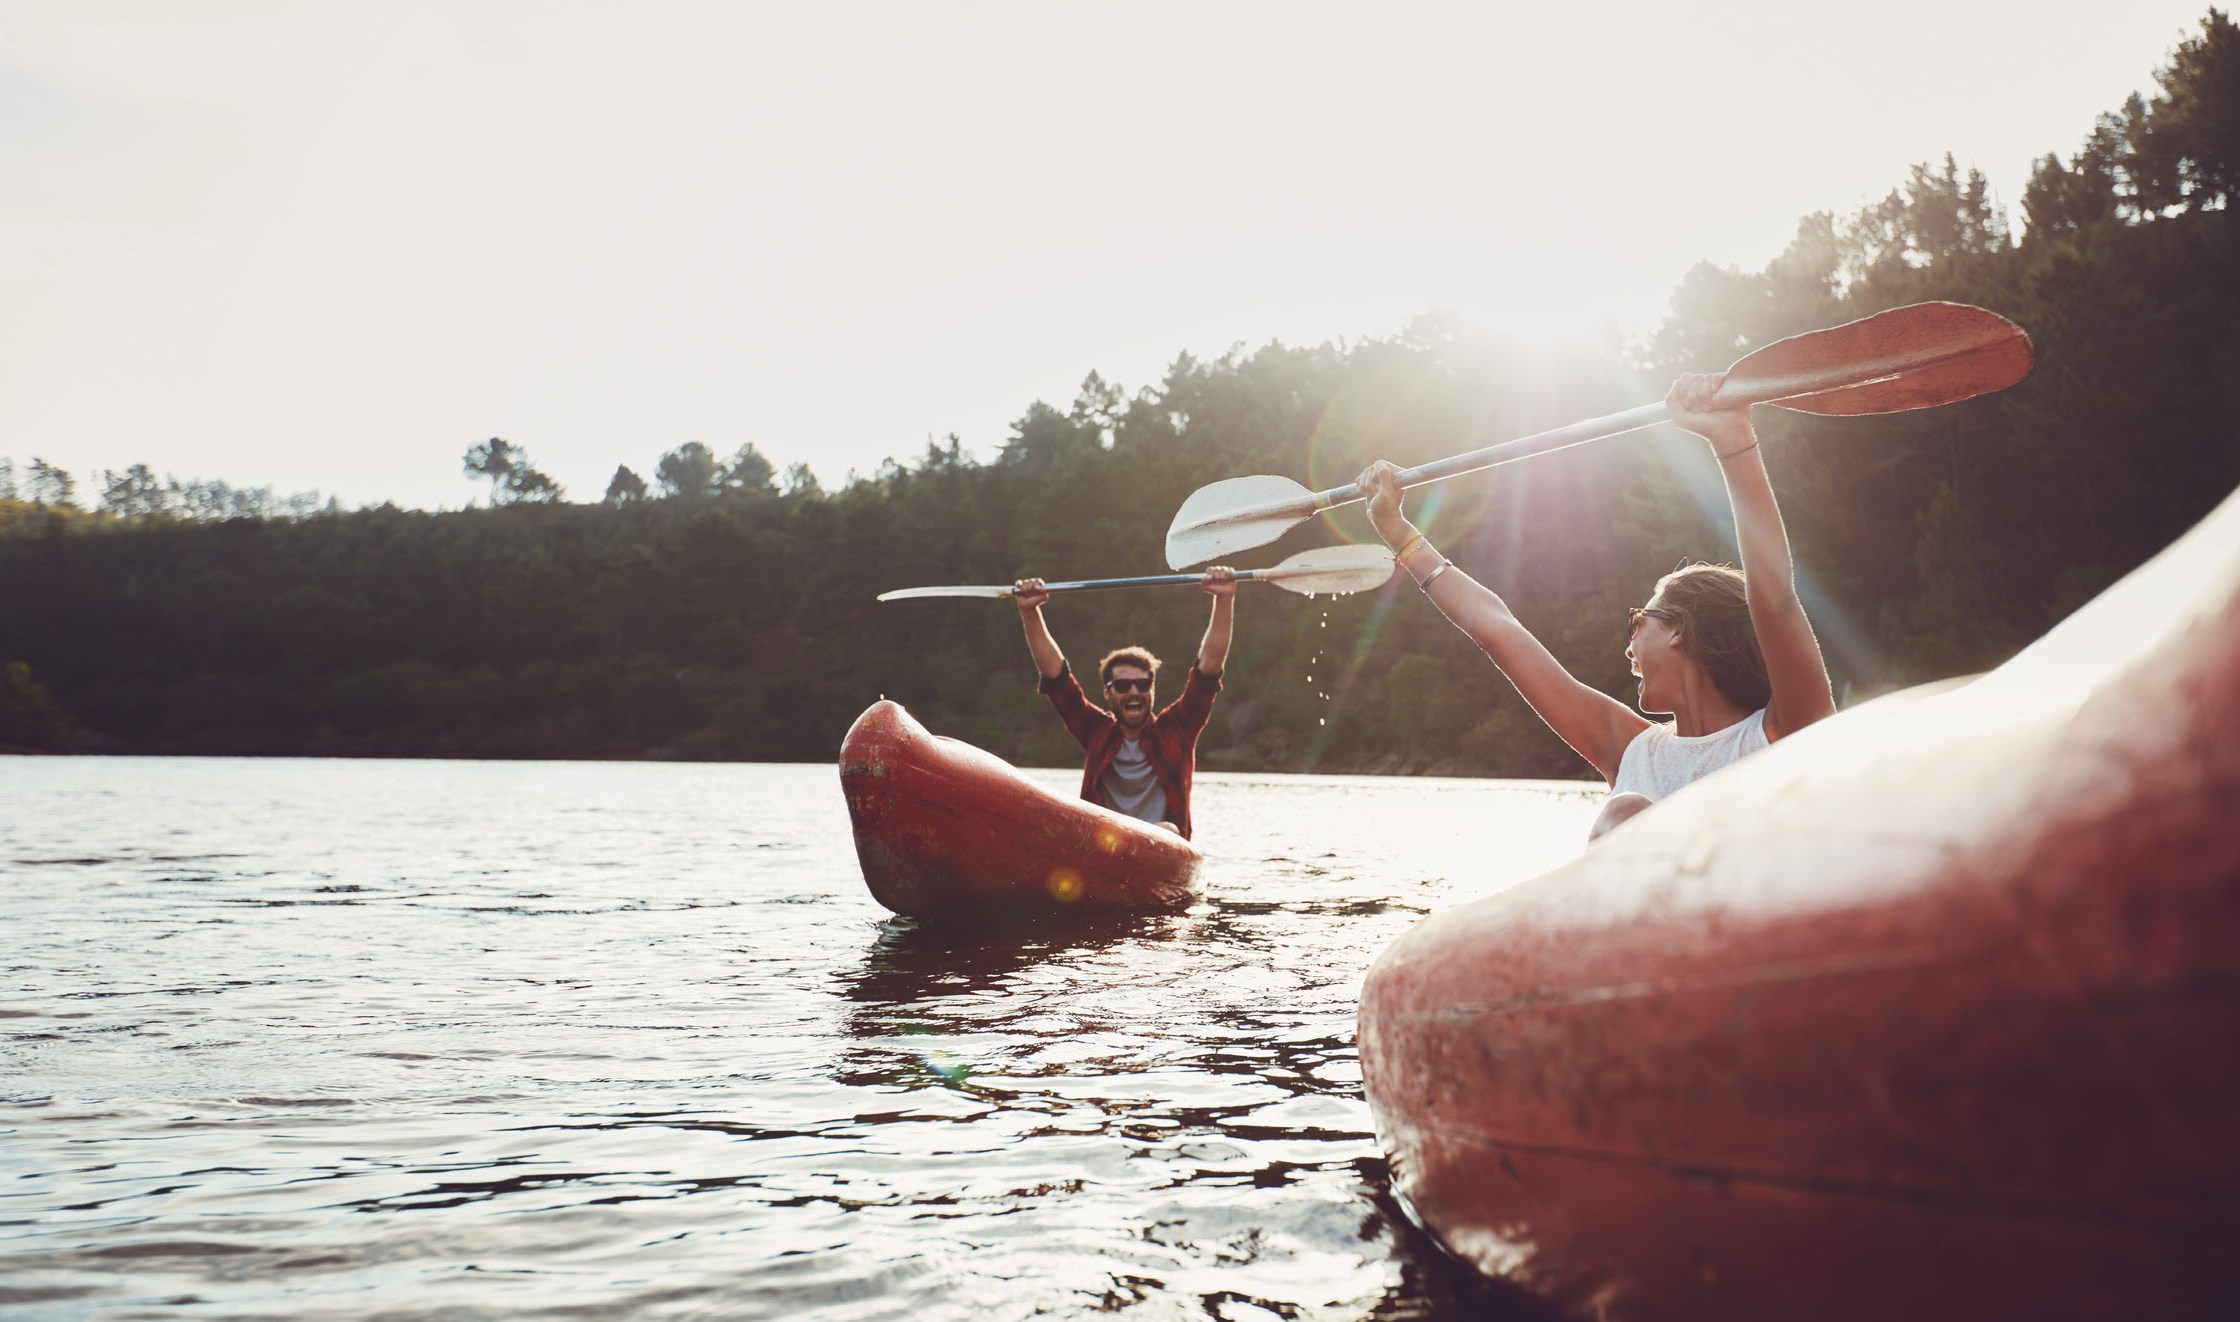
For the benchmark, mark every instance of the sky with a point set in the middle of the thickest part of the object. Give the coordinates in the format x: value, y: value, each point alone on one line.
x: 331, y: 245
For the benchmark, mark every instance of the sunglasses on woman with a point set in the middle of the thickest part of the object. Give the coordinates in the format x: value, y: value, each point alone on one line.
x: 1129, y: 685
x: 1636, y: 614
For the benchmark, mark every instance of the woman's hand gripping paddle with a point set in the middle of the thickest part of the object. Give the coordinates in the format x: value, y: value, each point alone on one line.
x: 1914, y: 357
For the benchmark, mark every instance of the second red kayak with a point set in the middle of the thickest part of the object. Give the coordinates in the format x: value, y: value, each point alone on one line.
x: 943, y: 828
x: 1932, y: 1010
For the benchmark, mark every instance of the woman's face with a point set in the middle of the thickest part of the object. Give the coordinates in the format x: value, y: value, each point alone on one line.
x: 1653, y: 652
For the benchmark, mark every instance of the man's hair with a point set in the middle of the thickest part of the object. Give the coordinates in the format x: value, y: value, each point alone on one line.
x: 1715, y: 629
x: 1127, y: 656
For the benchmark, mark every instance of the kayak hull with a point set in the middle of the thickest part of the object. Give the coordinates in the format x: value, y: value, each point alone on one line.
x: 1933, y: 1008
x: 943, y: 828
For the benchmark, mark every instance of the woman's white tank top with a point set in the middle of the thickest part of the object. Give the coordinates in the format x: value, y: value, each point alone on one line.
x: 1658, y: 762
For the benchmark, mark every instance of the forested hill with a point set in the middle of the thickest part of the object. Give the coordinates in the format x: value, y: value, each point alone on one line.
x: 732, y: 616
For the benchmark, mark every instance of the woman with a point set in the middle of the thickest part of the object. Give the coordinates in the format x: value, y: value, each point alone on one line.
x: 1728, y: 656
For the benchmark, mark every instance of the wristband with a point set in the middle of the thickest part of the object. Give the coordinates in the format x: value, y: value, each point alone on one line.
x: 1407, y: 546
x: 1733, y: 453
x: 1426, y: 581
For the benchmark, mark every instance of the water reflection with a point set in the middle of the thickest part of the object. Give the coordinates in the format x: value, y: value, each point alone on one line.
x: 955, y: 1005
x: 1433, y: 1287
x: 1242, y: 1115
x: 911, y: 959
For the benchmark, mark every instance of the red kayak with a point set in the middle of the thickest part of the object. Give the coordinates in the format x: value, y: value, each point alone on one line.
x: 945, y: 828
x: 1931, y: 1010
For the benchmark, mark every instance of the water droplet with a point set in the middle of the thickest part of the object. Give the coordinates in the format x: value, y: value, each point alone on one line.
x: 1322, y: 720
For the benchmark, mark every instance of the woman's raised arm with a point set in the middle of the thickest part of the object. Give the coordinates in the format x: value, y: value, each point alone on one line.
x: 1795, y: 670
x: 1597, y: 726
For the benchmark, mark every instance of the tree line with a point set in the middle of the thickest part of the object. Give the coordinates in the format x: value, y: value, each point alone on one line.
x: 724, y: 611
x: 137, y: 493
x: 689, y: 473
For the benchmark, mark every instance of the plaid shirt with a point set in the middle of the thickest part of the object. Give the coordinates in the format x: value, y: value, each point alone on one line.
x: 1169, y: 739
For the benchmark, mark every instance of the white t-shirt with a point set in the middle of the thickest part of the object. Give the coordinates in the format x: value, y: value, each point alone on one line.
x: 1658, y: 762
x: 1130, y: 785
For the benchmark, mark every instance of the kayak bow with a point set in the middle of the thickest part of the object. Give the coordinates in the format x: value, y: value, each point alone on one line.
x: 943, y: 828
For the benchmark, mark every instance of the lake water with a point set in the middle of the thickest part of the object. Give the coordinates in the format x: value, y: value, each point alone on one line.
x: 324, y: 1039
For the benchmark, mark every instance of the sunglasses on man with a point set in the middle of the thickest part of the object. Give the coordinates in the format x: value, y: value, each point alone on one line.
x: 1129, y: 685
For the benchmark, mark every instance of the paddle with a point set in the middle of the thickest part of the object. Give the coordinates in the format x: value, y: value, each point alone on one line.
x: 1331, y: 570
x: 1912, y: 357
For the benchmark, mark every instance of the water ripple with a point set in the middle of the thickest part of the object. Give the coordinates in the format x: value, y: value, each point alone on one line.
x: 319, y: 1039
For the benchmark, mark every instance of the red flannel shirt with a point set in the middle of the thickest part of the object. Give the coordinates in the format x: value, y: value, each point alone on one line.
x: 1169, y: 738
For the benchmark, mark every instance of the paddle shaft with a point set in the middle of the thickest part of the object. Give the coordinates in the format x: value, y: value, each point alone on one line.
x: 1732, y: 393
x: 1524, y: 447
x: 1150, y: 581
x: 1336, y: 570
x: 1912, y: 357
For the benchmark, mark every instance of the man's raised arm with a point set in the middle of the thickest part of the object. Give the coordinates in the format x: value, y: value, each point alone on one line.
x: 1047, y: 658
x: 1220, y: 582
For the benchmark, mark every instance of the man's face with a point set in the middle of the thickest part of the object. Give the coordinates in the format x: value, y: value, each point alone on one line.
x: 1128, y: 689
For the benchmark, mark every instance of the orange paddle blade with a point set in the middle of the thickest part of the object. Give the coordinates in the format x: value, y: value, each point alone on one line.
x: 1914, y: 357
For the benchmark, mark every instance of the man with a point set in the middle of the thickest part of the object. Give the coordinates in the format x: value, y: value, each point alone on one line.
x: 1138, y: 762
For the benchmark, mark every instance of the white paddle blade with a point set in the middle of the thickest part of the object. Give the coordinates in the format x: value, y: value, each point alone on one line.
x: 907, y: 594
x: 1332, y: 570
x: 1235, y: 515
